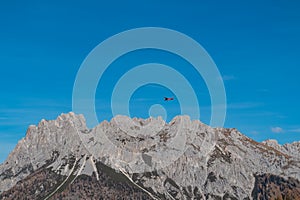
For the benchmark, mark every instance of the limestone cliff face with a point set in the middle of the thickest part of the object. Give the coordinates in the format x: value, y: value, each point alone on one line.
x: 182, y: 159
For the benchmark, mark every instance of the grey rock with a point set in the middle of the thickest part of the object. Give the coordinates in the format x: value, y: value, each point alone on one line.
x: 183, y: 159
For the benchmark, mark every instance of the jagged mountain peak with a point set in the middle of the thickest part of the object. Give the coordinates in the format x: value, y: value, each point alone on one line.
x: 182, y: 159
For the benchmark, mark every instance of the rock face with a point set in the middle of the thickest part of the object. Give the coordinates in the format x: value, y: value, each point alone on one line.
x: 147, y: 159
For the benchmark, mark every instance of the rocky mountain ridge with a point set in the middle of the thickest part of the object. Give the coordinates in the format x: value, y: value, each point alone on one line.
x: 182, y: 159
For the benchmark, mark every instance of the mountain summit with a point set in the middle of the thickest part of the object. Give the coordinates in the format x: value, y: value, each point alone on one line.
x: 147, y: 159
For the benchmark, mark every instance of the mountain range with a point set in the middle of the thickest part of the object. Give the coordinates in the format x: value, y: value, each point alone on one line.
x: 132, y: 158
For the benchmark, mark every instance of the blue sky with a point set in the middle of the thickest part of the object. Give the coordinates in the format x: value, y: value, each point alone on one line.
x: 255, y: 44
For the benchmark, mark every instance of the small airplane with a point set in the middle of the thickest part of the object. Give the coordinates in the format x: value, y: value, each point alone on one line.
x: 169, y: 99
